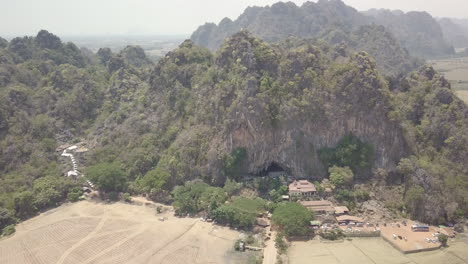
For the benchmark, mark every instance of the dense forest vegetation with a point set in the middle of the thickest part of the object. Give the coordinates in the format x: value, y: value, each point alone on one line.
x: 312, y: 108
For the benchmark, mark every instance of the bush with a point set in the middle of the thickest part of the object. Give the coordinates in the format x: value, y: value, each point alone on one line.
x: 6, y: 218
x: 74, y: 195
x: 127, y: 198
x: 113, y: 196
x: 443, y: 239
x: 231, y: 187
x: 237, y: 245
x: 234, y: 163
x: 280, y: 244
x: 8, y: 230
x: 24, y: 205
x: 344, y: 196
x: 361, y: 195
x: 250, y: 239
x: 341, y: 176
x: 334, y: 234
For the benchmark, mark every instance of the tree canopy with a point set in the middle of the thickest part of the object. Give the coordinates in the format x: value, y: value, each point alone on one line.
x: 341, y: 176
x: 292, y: 218
x: 108, y: 177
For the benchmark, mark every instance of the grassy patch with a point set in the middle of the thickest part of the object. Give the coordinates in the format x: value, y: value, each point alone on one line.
x: 253, y: 206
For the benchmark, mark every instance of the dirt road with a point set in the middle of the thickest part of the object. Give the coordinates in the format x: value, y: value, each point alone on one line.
x: 270, y: 252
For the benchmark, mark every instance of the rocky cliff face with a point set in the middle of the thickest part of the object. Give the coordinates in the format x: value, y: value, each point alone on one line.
x: 281, y: 105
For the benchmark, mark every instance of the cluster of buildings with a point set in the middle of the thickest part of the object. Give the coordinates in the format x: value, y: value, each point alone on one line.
x: 305, y: 191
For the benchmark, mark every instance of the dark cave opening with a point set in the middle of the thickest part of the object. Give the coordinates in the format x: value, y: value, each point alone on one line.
x: 274, y: 169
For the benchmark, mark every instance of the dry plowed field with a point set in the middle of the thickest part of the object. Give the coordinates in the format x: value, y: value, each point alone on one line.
x: 373, y: 251
x: 88, y: 232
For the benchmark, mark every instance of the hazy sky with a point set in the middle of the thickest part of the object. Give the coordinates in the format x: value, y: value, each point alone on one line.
x: 91, y: 17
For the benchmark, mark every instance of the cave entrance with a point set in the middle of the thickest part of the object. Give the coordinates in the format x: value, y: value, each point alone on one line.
x: 273, y: 170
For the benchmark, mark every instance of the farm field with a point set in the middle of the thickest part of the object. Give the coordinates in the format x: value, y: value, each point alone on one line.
x: 463, y: 94
x: 456, y: 71
x: 371, y: 251
x: 90, y: 232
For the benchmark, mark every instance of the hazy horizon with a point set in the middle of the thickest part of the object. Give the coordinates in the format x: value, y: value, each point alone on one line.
x: 176, y: 18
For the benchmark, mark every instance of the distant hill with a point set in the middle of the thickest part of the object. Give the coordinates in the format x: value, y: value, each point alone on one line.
x: 455, y: 31
x: 332, y: 21
x: 417, y: 32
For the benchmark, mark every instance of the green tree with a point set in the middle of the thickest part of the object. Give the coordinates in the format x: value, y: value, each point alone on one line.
x: 74, y: 194
x: 236, y: 217
x: 8, y: 230
x: 414, y: 197
x: 6, y: 218
x: 154, y: 180
x: 234, y: 163
x: 231, y: 187
x: 340, y: 176
x: 127, y: 198
x: 292, y: 218
x: 48, y: 191
x: 280, y: 244
x: 349, y: 152
x: 443, y: 239
x: 212, y: 198
x: 24, y: 205
x: 108, y: 177
x: 187, y: 197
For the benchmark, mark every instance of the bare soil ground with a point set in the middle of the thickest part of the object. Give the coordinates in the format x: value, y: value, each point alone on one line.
x: 90, y: 232
x: 463, y: 94
x: 371, y: 251
x: 415, y: 240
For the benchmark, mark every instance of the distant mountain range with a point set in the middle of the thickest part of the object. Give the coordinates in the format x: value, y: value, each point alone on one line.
x: 417, y: 32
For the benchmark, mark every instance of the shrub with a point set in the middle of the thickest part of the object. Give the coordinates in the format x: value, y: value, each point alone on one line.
x: 6, y: 218
x: 361, y: 195
x: 113, y: 196
x: 74, y: 194
x: 341, y: 176
x: 127, y: 198
x: 280, y: 244
x: 233, y: 163
x: 443, y: 239
x: 334, y: 234
x: 8, y: 230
